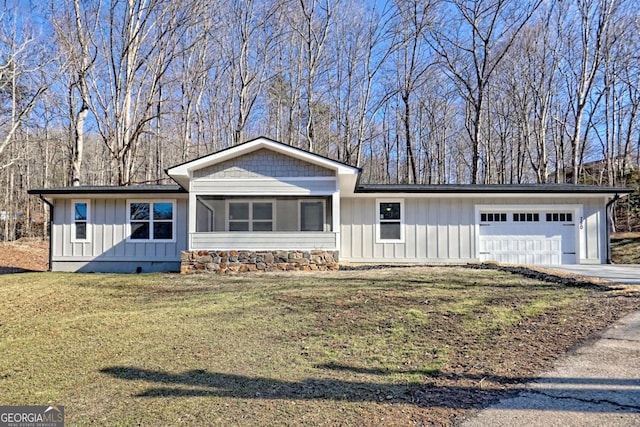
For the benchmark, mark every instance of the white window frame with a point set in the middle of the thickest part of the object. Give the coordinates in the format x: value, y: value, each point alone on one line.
x: 151, y: 238
x: 324, y: 213
x: 378, y: 221
x: 87, y: 221
x: 250, y: 219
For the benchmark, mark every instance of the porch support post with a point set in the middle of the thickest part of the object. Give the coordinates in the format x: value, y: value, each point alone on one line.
x: 335, y: 215
x: 192, y: 218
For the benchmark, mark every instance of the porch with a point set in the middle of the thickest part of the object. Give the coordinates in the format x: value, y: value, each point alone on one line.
x: 264, y: 223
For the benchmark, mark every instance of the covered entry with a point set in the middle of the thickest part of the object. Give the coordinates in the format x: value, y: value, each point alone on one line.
x: 527, y: 234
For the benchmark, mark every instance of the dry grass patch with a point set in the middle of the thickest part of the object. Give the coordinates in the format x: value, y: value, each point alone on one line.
x: 625, y: 248
x: 393, y: 346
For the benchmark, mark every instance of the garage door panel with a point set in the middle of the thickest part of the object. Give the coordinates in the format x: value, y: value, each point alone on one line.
x: 528, y: 242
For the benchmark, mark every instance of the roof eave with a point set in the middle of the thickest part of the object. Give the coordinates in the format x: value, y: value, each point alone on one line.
x: 182, y: 170
x: 539, y: 191
x: 71, y: 190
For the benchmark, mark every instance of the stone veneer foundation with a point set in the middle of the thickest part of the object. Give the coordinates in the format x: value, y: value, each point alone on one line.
x: 232, y: 261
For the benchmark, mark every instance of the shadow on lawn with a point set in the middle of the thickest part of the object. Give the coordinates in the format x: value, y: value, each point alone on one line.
x: 14, y: 270
x: 199, y: 383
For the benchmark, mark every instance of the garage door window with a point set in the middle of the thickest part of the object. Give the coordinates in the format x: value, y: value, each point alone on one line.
x: 560, y: 217
x: 526, y: 217
x: 493, y: 217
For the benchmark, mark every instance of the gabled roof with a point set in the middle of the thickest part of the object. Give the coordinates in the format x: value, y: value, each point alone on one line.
x: 182, y: 173
x: 110, y: 189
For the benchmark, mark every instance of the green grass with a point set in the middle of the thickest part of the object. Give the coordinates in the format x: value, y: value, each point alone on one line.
x: 251, y: 350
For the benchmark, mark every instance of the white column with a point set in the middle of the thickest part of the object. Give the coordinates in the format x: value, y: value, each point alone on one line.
x: 335, y: 214
x: 192, y: 216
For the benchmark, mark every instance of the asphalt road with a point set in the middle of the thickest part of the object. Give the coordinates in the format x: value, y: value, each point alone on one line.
x: 597, y: 385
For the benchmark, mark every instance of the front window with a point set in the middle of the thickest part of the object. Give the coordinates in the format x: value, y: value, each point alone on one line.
x: 80, y: 220
x: 312, y: 215
x: 250, y: 216
x: 151, y: 220
x: 390, y: 219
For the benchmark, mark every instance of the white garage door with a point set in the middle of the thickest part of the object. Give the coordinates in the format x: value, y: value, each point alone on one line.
x: 527, y: 237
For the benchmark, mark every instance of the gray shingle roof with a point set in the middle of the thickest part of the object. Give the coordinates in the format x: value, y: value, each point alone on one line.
x: 362, y: 188
x: 110, y: 189
x: 489, y: 188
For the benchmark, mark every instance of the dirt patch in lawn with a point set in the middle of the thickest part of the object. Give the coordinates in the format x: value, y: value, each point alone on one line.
x: 625, y: 248
x: 24, y: 255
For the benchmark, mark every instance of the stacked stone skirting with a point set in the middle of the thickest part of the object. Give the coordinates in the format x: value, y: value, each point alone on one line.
x: 225, y: 262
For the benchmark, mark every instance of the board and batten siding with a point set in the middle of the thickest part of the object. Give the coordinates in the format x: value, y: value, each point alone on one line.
x: 444, y: 229
x: 107, y: 234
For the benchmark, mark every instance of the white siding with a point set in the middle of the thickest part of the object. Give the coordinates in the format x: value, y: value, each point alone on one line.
x: 107, y: 238
x: 444, y: 229
x: 255, y: 241
x: 252, y: 187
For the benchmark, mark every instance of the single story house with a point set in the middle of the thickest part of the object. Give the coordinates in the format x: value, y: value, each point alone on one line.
x: 263, y: 205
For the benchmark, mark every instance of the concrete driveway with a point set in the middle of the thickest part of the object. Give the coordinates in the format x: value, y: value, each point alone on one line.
x: 628, y: 274
x: 596, y: 385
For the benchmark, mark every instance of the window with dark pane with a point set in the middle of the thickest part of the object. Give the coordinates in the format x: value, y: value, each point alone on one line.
x: 239, y: 216
x: 140, y: 230
x: 140, y: 219
x: 311, y: 216
x: 162, y: 221
x: 163, y: 230
x: 151, y: 220
x: 493, y: 217
x: 390, y: 221
x: 262, y: 213
x: 560, y: 217
x: 80, y: 218
x: 390, y: 211
x: 250, y: 216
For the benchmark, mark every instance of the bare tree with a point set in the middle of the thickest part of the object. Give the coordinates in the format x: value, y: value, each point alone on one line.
x: 474, y: 38
x: 313, y: 22
x: 584, y: 54
x: 412, y: 64
x: 21, y: 77
x: 125, y: 87
x: 250, y: 45
x: 74, y: 23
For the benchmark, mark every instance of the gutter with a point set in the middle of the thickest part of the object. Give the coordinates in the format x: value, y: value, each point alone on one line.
x: 48, y: 203
x: 608, y: 225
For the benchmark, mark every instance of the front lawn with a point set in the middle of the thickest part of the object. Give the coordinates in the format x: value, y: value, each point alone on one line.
x: 381, y: 347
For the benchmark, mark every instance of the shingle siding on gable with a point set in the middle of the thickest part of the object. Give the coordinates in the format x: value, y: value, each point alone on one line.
x: 260, y: 164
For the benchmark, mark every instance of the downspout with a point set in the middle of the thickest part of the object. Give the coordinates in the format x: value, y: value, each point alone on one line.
x: 48, y: 203
x: 608, y: 225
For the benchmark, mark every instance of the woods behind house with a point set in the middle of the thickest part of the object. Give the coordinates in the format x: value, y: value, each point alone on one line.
x: 413, y: 91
